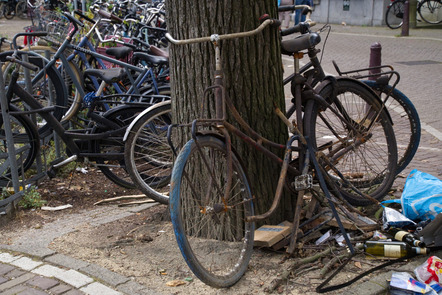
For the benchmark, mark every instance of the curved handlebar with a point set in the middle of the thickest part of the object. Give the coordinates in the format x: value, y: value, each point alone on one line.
x: 215, y: 37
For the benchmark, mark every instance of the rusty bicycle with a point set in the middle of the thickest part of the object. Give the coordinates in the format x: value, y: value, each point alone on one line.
x: 211, y: 200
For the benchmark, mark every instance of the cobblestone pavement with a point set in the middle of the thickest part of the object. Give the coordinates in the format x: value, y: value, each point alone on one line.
x: 29, y: 267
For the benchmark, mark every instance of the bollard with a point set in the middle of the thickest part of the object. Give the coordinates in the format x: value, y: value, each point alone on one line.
x: 406, y: 19
x: 375, y: 59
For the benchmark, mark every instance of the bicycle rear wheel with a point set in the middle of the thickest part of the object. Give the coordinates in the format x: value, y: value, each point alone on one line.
x: 212, y: 233
x: 9, y: 10
x: 359, y: 146
x: 148, y: 156
x: 395, y: 14
x: 406, y: 123
x: 26, y: 144
x: 112, y: 163
x: 431, y: 11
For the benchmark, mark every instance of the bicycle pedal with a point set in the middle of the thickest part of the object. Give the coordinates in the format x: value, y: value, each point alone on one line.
x: 303, y: 182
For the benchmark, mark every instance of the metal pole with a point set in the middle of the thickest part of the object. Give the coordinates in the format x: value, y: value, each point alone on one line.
x: 406, y: 20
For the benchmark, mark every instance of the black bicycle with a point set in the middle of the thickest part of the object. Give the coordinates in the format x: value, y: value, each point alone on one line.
x: 430, y: 11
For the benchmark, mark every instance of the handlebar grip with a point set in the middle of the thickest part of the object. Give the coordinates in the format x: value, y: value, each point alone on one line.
x: 109, y: 15
x: 23, y: 63
x: 286, y: 8
x: 275, y: 22
x: 73, y: 19
x: 84, y: 16
x: 302, y: 28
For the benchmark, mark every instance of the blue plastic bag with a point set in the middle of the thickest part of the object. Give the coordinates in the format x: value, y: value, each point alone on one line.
x: 422, y: 196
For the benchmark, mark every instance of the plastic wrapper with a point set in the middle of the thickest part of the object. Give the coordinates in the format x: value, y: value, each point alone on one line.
x: 430, y: 271
x: 393, y: 218
x: 404, y: 283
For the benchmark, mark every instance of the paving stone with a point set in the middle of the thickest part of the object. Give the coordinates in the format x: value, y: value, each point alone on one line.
x: 14, y: 290
x: 98, y: 288
x: 48, y: 271
x: 74, y: 278
x: 15, y: 282
x: 109, y: 277
x: 26, y: 263
x: 8, y: 258
x: 42, y: 282
x: 75, y: 292
x: 15, y: 273
x: 3, y: 279
x: 5, y: 268
x: 66, y: 261
x: 60, y: 289
x: 31, y: 291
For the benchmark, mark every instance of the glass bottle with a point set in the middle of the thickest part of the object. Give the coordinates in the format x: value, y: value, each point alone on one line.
x: 404, y: 236
x: 392, y: 249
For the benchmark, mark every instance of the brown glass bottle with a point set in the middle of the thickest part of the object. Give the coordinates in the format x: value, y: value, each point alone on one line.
x: 403, y: 236
x: 392, y: 249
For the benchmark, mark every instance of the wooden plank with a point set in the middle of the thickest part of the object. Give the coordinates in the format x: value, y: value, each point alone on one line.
x: 268, y: 235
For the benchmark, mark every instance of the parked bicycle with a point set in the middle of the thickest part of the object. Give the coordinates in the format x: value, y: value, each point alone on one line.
x: 211, y: 201
x: 430, y: 11
x: 105, y: 149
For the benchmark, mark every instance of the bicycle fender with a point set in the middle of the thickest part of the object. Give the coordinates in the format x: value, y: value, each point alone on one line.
x: 131, y: 125
x: 326, y: 81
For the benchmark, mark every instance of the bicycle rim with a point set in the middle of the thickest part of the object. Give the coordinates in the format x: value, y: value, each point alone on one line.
x: 431, y: 11
x: 395, y: 14
x: 26, y: 144
x: 115, y: 168
x: 148, y: 155
x: 211, y: 231
x: 406, y: 123
x: 361, y: 147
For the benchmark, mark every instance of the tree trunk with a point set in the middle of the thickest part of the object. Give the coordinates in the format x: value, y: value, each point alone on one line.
x: 252, y: 78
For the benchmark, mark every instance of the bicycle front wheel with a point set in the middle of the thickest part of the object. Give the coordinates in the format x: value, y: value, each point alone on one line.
x: 356, y: 139
x: 431, y: 11
x: 406, y: 123
x: 210, y: 223
x: 148, y: 156
x: 395, y: 14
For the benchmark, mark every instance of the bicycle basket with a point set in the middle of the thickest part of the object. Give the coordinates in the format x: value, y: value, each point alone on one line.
x: 58, y: 27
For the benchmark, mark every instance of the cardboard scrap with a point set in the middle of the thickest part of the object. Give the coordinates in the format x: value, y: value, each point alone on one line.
x: 268, y: 235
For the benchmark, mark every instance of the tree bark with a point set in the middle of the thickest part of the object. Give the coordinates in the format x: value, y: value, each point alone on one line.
x: 252, y: 77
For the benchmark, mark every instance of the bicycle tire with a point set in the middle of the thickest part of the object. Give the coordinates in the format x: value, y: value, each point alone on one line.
x: 395, y: 14
x: 2, y: 10
x: 368, y: 162
x: 147, y: 154
x: 215, y: 249
x: 431, y: 11
x: 115, y: 169
x: 21, y: 9
x: 74, y: 98
x: 42, y: 89
x: 26, y: 143
x: 406, y: 122
x: 9, y: 10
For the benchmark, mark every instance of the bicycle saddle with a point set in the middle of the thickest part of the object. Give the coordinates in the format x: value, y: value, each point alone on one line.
x: 119, y: 52
x: 152, y: 59
x: 109, y: 76
x: 158, y: 52
x: 299, y: 43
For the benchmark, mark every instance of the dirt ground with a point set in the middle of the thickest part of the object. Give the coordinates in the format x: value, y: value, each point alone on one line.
x: 143, y: 246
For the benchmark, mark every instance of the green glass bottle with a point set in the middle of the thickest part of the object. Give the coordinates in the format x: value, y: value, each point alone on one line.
x: 392, y: 249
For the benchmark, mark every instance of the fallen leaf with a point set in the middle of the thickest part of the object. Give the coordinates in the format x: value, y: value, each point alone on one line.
x: 358, y: 264
x: 175, y: 283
